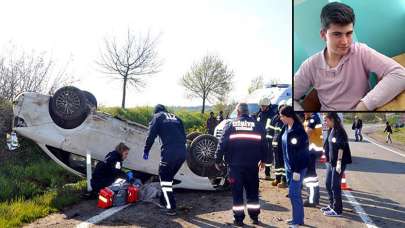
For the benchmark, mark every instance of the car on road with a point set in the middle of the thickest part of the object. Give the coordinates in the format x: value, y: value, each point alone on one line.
x: 68, y: 127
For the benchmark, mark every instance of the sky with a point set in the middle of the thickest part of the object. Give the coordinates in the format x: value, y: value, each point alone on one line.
x: 253, y: 37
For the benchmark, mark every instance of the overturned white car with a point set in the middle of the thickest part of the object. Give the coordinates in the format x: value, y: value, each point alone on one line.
x: 67, y: 127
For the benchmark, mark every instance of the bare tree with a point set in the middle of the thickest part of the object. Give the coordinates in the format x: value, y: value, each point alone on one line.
x: 131, y: 60
x: 22, y: 72
x: 208, y: 79
x: 256, y: 83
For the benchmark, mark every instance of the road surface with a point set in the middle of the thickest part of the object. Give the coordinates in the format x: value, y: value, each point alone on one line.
x: 377, y: 179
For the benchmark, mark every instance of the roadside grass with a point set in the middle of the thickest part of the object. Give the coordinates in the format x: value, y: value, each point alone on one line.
x: 193, y: 121
x: 33, y: 186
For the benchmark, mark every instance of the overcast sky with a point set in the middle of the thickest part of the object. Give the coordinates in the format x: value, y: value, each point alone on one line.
x: 253, y: 37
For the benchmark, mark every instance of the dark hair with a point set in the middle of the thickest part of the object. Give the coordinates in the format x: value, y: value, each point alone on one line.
x: 336, y: 13
x: 388, y: 123
x: 159, y: 108
x: 337, y: 124
x: 211, y: 113
x: 121, y: 147
x: 288, y: 111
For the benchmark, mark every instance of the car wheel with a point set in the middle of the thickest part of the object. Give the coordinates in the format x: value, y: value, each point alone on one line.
x: 68, y: 107
x: 90, y: 98
x: 201, y: 156
x: 193, y: 135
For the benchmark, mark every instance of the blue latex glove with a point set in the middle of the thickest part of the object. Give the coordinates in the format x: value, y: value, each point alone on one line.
x: 145, y: 156
x: 130, y: 175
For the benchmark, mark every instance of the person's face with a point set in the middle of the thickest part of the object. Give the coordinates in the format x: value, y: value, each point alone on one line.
x: 329, y: 122
x: 338, y: 38
x: 125, y: 154
x: 284, y: 119
x: 307, y: 115
x: 211, y: 114
x: 263, y: 107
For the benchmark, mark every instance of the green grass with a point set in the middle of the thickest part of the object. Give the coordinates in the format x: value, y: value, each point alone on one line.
x: 32, y: 185
x: 193, y: 121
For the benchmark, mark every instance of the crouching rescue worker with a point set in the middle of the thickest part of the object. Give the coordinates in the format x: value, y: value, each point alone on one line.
x: 109, y: 170
x: 170, y: 129
x: 243, y: 146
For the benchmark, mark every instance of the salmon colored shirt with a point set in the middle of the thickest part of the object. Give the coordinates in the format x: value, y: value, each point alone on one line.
x: 341, y: 88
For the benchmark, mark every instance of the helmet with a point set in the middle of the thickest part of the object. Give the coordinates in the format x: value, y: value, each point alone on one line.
x: 281, y: 103
x: 264, y: 101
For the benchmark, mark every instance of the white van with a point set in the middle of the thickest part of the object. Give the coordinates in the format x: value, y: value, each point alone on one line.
x: 275, y: 92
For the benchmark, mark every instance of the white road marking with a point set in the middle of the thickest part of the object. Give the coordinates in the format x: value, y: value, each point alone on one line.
x: 385, y: 148
x: 359, y: 210
x: 98, y: 218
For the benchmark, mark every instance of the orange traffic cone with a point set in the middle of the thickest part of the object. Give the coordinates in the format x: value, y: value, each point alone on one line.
x: 322, y: 159
x: 344, y: 185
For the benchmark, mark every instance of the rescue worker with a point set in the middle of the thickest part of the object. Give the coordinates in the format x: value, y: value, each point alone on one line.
x: 295, y: 145
x: 313, y: 128
x: 338, y: 156
x: 107, y: 171
x: 243, y: 147
x: 264, y: 116
x: 171, y: 132
x: 276, y: 125
x: 211, y: 123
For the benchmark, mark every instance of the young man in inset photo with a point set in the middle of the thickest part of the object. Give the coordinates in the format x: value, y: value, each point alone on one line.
x: 339, y: 73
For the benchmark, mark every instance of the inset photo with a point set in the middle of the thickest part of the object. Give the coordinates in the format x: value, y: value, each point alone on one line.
x: 349, y: 55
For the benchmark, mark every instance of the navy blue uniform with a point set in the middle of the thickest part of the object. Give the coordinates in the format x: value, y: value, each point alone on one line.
x: 242, y: 145
x: 276, y: 125
x: 170, y: 129
x: 265, y: 117
x: 107, y: 171
x: 336, y: 141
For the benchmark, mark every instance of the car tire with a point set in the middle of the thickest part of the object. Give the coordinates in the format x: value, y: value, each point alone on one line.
x: 68, y: 107
x: 91, y: 99
x: 200, y: 156
x: 193, y: 135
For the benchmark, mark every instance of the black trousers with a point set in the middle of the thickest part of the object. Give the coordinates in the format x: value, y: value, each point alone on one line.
x: 279, y: 163
x: 167, y: 170
x: 269, y: 158
x: 333, y: 182
x: 245, y: 178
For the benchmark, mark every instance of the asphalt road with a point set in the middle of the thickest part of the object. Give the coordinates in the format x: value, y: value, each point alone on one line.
x: 376, y: 176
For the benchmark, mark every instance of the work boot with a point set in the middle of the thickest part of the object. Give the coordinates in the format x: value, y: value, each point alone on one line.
x: 268, y: 178
x: 275, y: 183
x: 255, y: 221
x: 282, y: 184
x: 238, y: 223
x: 170, y: 212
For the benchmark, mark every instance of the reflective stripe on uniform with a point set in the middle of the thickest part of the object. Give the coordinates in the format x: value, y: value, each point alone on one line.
x: 310, y: 179
x: 267, y: 165
x: 253, y: 206
x: 245, y: 136
x: 269, y: 136
x: 166, y: 183
x: 311, y: 185
x: 318, y: 126
x: 238, y: 208
x: 312, y: 146
x: 274, y: 143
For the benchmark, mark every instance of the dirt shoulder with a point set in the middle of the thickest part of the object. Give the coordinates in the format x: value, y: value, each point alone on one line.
x: 202, y: 209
